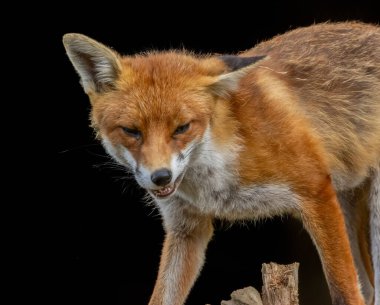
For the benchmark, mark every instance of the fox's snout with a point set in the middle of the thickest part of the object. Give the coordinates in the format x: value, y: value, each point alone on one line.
x: 161, y: 177
x: 161, y: 182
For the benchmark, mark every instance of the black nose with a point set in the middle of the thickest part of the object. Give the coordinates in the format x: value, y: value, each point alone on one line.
x: 161, y: 177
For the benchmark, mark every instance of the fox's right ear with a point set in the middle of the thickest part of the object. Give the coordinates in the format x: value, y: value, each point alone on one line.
x: 227, y: 83
x: 97, y: 65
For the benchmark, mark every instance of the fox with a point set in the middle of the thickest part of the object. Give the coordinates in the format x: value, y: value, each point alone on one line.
x: 290, y: 126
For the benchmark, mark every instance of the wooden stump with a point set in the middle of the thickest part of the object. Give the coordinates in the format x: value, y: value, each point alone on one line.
x: 280, y: 287
x: 280, y: 284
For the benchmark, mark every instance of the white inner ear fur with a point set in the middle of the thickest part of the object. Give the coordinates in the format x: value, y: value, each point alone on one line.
x: 227, y: 83
x: 97, y: 65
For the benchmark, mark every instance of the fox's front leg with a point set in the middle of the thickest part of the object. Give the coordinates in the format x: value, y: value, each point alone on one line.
x: 181, y: 259
x: 324, y: 220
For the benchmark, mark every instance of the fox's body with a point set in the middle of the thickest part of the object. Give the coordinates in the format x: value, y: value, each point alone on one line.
x: 290, y: 126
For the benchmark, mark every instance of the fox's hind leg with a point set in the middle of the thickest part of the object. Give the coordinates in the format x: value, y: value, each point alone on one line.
x: 356, y: 213
x: 374, y: 206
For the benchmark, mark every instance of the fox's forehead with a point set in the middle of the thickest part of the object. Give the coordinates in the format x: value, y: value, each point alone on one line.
x: 168, y: 70
x: 157, y: 87
x: 153, y: 102
x: 148, y: 108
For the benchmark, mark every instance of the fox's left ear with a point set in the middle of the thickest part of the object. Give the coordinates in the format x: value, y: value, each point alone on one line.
x: 238, y: 67
x: 97, y: 65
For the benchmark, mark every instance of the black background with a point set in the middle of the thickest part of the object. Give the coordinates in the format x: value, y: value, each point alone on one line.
x: 102, y: 243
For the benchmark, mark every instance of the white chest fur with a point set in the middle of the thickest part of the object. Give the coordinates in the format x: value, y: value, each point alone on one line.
x: 211, y: 186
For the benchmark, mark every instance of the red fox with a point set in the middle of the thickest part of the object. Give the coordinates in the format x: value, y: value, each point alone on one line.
x: 289, y: 126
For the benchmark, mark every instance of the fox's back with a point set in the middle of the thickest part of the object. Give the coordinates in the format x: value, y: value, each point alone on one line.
x: 333, y: 70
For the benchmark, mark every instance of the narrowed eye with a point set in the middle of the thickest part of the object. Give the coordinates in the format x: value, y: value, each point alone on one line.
x: 132, y: 132
x: 182, y: 129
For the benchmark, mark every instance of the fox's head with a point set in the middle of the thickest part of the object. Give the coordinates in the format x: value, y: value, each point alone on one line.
x: 152, y: 111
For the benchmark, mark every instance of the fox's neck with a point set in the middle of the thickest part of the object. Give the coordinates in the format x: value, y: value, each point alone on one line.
x: 216, y: 157
x: 212, y: 168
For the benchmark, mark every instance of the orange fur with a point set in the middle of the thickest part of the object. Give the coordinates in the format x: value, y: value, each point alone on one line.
x: 301, y: 125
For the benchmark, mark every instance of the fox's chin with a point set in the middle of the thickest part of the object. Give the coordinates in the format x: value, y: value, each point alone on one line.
x: 168, y: 190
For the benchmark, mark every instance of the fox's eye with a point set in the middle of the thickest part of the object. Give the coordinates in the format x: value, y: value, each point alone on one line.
x: 132, y: 132
x: 182, y: 129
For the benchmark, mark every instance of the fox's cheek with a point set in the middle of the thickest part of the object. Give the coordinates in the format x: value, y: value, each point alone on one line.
x: 121, y: 154
x: 111, y: 149
x: 129, y: 158
x: 180, y: 160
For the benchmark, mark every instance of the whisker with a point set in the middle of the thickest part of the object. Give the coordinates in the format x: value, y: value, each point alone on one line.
x: 78, y: 148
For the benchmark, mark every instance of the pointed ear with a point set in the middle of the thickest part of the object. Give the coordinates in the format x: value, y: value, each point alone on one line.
x: 97, y: 65
x: 227, y: 83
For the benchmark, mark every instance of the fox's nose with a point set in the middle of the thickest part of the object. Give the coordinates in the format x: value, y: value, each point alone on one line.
x: 161, y: 177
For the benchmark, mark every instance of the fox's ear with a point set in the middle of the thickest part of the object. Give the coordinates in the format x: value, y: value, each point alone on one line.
x: 238, y: 66
x: 97, y: 65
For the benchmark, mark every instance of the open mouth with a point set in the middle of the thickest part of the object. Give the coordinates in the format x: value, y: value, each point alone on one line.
x: 168, y: 190
x: 164, y: 192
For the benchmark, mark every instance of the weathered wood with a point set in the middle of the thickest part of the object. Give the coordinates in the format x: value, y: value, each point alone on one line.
x: 280, y: 287
x: 280, y: 284
x: 245, y: 296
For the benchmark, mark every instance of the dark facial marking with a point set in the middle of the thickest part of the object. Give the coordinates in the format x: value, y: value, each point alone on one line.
x: 181, y: 157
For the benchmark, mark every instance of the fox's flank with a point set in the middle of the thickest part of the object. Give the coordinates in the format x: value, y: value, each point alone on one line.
x: 291, y: 126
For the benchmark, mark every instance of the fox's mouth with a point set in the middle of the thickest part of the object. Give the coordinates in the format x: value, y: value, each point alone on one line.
x: 168, y: 190
x: 164, y: 192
